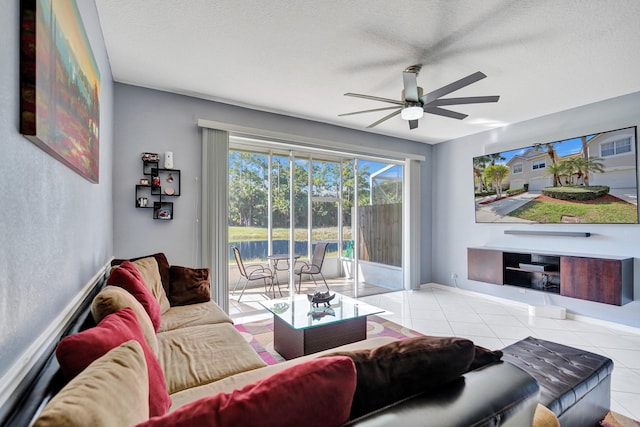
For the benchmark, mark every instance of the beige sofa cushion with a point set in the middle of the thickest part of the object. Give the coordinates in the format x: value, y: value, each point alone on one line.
x: 204, y: 313
x: 150, y: 273
x: 113, y: 298
x: 113, y: 391
x: 240, y: 380
x: 202, y: 354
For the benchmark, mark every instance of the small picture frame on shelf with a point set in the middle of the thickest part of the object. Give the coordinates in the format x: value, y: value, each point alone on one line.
x: 150, y: 157
x: 163, y: 211
x: 145, y: 181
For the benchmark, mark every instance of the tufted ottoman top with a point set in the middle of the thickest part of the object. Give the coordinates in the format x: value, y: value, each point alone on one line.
x: 565, y: 374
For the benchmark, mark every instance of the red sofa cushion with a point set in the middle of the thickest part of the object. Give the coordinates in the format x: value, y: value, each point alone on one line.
x: 76, y: 352
x: 317, y: 393
x: 128, y: 277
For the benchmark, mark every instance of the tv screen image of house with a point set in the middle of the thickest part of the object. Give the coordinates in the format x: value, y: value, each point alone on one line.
x: 586, y: 179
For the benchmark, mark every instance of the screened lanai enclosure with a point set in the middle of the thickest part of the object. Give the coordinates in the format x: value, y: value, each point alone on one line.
x: 283, y: 201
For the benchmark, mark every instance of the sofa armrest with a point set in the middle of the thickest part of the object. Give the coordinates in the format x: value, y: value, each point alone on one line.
x: 496, y: 395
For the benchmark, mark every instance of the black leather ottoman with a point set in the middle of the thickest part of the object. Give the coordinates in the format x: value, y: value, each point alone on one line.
x: 574, y: 384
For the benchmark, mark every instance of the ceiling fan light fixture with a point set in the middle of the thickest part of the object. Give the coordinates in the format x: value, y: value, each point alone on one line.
x: 412, y: 113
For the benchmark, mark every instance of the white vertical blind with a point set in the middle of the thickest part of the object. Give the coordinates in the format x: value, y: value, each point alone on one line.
x: 292, y: 222
x: 355, y: 228
x: 215, y: 177
x: 411, y: 213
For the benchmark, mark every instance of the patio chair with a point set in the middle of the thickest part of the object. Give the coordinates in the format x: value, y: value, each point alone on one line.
x: 252, y: 273
x: 315, y: 266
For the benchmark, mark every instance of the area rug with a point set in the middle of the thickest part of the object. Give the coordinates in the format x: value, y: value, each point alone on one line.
x: 260, y: 335
x: 614, y: 419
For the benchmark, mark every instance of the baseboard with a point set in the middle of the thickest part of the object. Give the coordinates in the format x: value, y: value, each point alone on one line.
x: 12, y: 379
x: 605, y: 323
x: 524, y: 306
x: 518, y: 304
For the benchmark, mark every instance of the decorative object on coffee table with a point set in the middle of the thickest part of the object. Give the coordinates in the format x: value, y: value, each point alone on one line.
x: 280, y: 307
x: 318, y: 298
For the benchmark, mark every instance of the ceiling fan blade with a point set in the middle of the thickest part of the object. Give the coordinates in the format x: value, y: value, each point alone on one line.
x: 413, y: 124
x: 466, y: 100
x: 387, y: 117
x: 368, y: 111
x: 410, y: 86
x: 442, y: 112
x: 452, y: 87
x: 374, y: 98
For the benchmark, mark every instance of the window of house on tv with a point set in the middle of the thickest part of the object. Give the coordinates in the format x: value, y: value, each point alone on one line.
x: 587, y: 179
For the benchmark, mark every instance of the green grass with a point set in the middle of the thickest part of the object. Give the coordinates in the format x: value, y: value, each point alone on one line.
x: 244, y: 234
x: 547, y: 211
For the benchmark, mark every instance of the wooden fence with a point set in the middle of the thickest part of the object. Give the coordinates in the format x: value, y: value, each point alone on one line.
x: 381, y: 233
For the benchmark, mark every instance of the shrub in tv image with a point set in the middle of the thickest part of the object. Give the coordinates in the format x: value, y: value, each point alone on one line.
x: 586, y: 179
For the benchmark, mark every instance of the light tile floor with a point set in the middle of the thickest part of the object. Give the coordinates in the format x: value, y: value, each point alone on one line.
x: 495, y: 323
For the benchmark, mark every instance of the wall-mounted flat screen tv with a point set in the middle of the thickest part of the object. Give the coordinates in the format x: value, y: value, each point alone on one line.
x: 586, y: 179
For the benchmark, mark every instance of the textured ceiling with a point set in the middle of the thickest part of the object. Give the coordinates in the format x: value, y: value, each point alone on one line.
x: 298, y: 57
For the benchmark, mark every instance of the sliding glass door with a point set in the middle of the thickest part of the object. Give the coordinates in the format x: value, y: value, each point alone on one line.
x: 373, y: 205
x: 283, y: 201
x: 380, y: 223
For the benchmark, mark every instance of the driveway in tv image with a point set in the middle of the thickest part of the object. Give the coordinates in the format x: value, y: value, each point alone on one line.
x: 498, y: 211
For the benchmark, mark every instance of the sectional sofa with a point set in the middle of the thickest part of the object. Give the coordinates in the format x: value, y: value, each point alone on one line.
x: 150, y: 347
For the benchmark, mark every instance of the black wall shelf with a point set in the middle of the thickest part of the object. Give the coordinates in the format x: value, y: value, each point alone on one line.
x: 162, y: 184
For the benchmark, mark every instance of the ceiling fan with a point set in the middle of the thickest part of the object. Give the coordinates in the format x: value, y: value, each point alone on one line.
x: 414, y: 104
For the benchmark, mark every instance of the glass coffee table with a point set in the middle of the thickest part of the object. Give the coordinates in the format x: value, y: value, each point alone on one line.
x: 299, y: 328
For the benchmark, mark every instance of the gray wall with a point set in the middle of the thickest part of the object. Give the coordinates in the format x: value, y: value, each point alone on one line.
x: 56, y: 226
x: 150, y: 120
x: 454, y: 224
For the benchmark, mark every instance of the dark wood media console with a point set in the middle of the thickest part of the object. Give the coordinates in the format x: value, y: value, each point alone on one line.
x: 605, y: 279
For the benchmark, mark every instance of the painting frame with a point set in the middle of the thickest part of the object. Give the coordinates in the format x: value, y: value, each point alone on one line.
x: 59, y: 85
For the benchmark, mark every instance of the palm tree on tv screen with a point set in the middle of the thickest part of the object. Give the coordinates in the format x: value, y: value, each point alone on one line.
x: 496, y: 174
x: 553, y: 155
x: 581, y: 166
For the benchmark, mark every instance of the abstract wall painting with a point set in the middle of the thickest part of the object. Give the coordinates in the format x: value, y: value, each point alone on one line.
x: 59, y: 85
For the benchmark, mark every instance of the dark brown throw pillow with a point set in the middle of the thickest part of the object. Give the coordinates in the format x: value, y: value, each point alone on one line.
x: 484, y: 356
x: 189, y: 285
x: 163, y: 266
x: 407, y: 367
